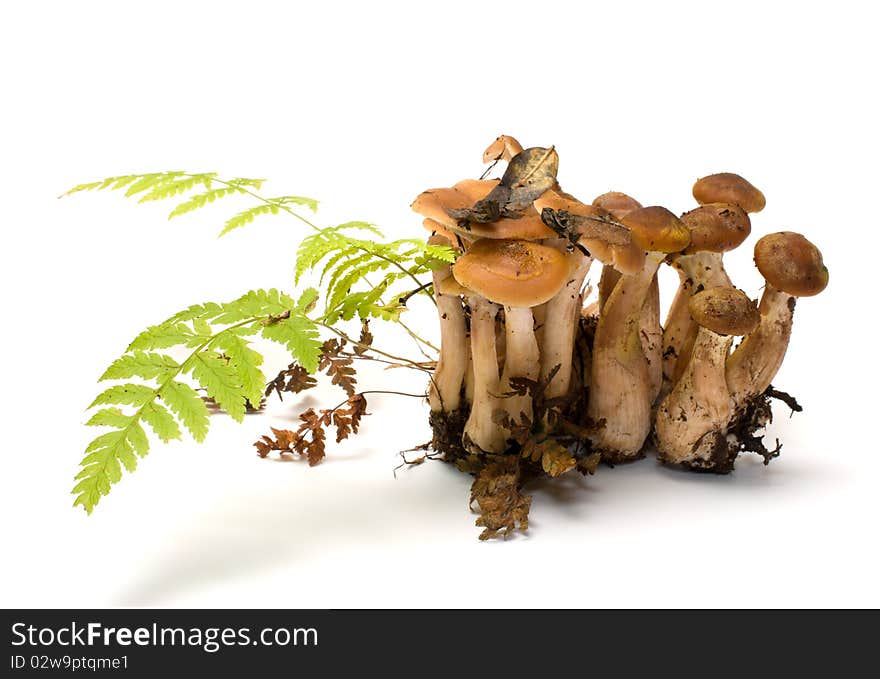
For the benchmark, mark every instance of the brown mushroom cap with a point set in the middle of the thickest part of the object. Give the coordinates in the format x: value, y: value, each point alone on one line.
x: 504, y: 147
x: 725, y: 311
x: 716, y: 227
x: 436, y: 228
x: 434, y: 203
x: 656, y: 229
x: 727, y: 187
x: 791, y: 263
x: 617, y: 203
x: 512, y: 272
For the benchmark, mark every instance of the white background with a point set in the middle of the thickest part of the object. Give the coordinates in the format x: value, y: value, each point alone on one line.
x: 364, y: 105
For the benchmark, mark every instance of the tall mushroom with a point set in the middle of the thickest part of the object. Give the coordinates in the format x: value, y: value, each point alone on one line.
x: 618, y: 205
x: 792, y: 267
x: 690, y: 427
x: 520, y: 275
x: 620, y: 391
x: 587, y: 233
x: 715, y: 229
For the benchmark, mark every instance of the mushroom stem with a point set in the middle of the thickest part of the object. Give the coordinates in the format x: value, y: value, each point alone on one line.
x: 561, y: 316
x: 755, y: 362
x: 651, y: 336
x: 480, y: 430
x: 697, y: 271
x: 607, y: 281
x: 692, y: 418
x: 522, y: 358
x: 445, y: 392
x: 650, y: 331
x: 620, y: 388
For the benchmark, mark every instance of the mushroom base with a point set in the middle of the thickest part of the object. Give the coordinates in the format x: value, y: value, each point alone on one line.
x: 447, y: 430
x: 744, y: 435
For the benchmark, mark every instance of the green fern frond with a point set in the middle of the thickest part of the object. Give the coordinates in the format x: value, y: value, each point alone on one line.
x: 222, y: 362
x: 171, y: 184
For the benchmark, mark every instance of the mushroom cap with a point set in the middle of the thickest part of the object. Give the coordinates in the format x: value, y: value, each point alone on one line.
x: 716, y: 227
x: 725, y: 311
x: 791, y: 263
x: 447, y: 285
x: 727, y: 187
x: 434, y: 203
x: 656, y: 229
x: 617, y: 203
x: 504, y: 147
x: 517, y: 273
x: 437, y: 229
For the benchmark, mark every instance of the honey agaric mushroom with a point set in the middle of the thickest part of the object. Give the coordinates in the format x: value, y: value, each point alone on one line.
x: 618, y: 205
x: 727, y: 187
x: 620, y: 391
x: 792, y: 267
x: 561, y: 313
x: 445, y: 391
x: 715, y: 228
x: 690, y: 427
x: 503, y: 148
x: 519, y: 275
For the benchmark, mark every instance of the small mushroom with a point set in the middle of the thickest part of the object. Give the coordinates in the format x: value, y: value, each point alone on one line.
x: 620, y: 391
x: 715, y: 228
x: 503, y: 148
x: 690, y: 427
x: 446, y: 385
x: 727, y: 187
x: 792, y: 267
x: 519, y: 275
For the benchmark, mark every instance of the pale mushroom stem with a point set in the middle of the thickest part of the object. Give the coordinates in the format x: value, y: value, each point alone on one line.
x: 694, y: 415
x: 651, y: 336
x: 697, y: 271
x: 607, y: 282
x: 522, y: 358
x: 755, y: 362
x: 480, y: 430
x: 650, y: 331
x: 445, y: 391
x: 620, y: 387
x: 561, y: 316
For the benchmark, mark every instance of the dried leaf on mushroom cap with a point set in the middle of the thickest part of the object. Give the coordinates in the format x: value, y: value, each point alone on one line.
x: 513, y: 272
x: 716, y: 227
x: 434, y: 204
x: 724, y: 311
x: 791, y: 263
x: 727, y: 187
x: 528, y: 175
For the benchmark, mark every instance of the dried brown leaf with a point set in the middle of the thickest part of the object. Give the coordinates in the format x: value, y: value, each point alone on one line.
x: 529, y: 174
x: 293, y: 379
x: 338, y: 366
x: 497, y: 493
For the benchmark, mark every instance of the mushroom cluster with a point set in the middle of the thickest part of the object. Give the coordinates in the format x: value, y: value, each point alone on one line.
x: 523, y: 358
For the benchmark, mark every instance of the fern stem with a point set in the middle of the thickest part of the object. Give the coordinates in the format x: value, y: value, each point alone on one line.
x: 173, y: 376
x: 419, y: 339
x: 353, y: 341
